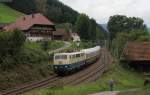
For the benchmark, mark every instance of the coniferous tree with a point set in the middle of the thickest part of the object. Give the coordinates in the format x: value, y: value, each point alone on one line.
x: 25, y: 6
x: 82, y: 26
x: 92, y: 29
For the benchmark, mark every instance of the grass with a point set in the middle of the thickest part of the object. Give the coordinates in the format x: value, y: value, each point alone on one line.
x: 7, y: 14
x: 55, y: 44
x: 141, y: 91
x: 69, y: 90
x: 124, y: 79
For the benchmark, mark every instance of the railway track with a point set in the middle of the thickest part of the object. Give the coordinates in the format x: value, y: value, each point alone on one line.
x: 87, y: 75
x: 18, y: 90
x: 82, y: 76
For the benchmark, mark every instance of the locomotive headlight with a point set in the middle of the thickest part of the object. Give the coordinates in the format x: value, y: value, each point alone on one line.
x: 66, y: 66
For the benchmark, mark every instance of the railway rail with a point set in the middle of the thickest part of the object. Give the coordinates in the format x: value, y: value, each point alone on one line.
x: 89, y: 74
x: 18, y: 90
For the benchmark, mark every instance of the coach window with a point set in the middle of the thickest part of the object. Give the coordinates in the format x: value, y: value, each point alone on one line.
x: 57, y: 57
x: 77, y: 55
x: 74, y: 56
x: 70, y: 57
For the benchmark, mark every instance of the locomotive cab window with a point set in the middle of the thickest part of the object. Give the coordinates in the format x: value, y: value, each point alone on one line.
x: 60, y: 57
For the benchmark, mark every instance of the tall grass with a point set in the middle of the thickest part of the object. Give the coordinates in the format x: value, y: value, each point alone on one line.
x: 142, y: 91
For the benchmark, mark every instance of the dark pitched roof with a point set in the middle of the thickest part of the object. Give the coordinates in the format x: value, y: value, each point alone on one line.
x: 137, y: 51
x: 60, y: 31
x: 25, y: 22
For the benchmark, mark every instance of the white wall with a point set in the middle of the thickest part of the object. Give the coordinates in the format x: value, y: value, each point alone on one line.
x: 76, y: 38
x: 34, y: 39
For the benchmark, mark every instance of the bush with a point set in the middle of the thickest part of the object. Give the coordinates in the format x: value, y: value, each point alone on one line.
x: 11, y: 44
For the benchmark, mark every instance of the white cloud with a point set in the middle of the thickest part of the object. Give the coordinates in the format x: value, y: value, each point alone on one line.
x: 101, y: 10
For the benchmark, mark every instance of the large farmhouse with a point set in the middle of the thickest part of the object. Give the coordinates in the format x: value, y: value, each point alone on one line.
x: 137, y: 54
x: 35, y: 26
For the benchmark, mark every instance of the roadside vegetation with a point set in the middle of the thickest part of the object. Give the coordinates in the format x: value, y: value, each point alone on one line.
x: 22, y: 62
x: 45, y: 45
x: 123, y: 78
x: 8, y: 14
x: 77, y: 46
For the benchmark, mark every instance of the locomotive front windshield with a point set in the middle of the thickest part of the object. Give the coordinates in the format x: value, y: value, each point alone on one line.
x: 59, y: 57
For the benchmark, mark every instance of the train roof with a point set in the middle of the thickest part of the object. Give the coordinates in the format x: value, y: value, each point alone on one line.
x: 91, y: 49
x: 72, y: 53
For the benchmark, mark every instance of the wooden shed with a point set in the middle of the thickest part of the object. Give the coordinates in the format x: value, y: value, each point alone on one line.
x: 137, y: 54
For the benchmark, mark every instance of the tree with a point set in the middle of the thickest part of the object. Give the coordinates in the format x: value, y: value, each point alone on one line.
x: 82, y: 26
x: 144, y: 38
x: 11, y: 42
x: 121, y: 23
x: 45, y: 45
x: 18, y: 38
x: 100, y: 35
x: 119, y: 42
x: 136, y: 34
x: 92, y: 29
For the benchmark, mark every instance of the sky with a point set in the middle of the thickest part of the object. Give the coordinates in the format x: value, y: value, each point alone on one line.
x: 101, y: 10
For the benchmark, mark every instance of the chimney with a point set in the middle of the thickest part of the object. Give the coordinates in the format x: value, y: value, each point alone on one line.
x: 33, y: 16
x: 24, y: 18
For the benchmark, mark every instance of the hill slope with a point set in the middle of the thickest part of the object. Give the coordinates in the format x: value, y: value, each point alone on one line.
x: 104, y: 27
x: 53, y: 9
x: 7, y: 14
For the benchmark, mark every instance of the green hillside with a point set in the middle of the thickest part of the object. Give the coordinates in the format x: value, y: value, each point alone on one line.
x: 52, y: 9
x: 7, y: 14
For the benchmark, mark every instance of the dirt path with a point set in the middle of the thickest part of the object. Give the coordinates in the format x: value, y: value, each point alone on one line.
x: 107, y: 93
x: 115, y: 92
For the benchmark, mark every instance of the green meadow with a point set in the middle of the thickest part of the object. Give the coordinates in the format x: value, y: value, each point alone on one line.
x: 8, y: 14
